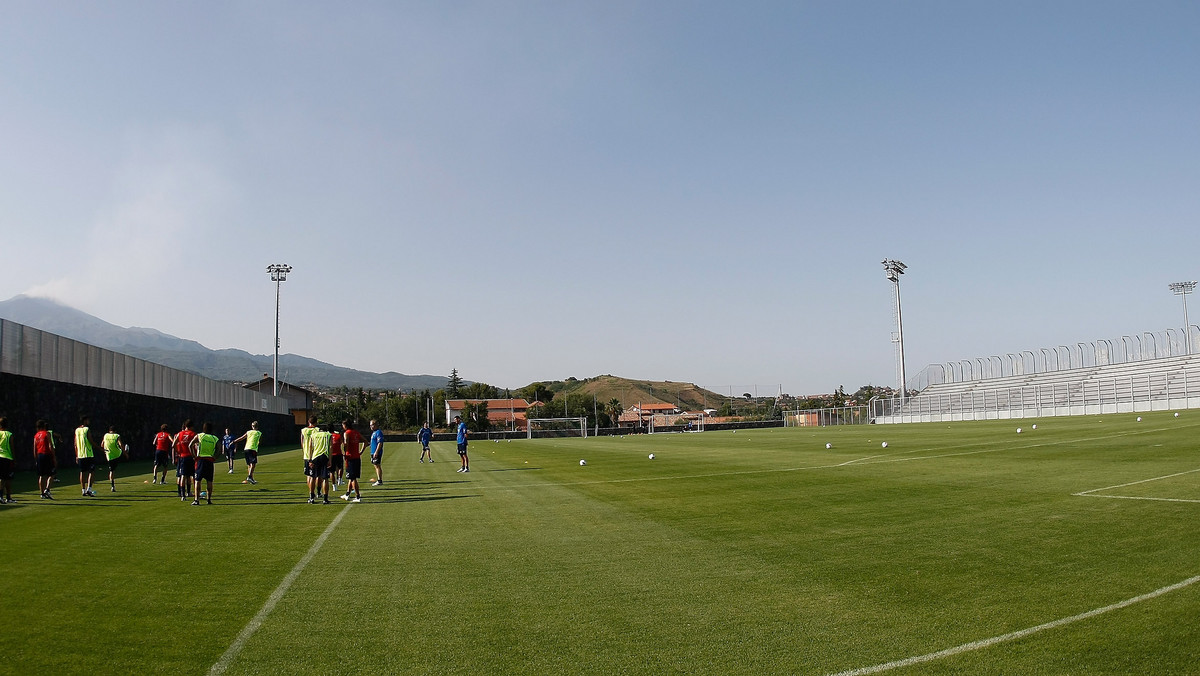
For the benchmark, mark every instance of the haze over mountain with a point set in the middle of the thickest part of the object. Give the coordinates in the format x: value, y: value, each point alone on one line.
x: 189, y: 355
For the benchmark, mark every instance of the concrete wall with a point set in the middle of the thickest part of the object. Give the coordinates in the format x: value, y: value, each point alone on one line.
x: 137, y: 417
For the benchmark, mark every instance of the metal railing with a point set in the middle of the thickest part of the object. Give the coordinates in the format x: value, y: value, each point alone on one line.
x: 1154, y: 390
x: 1126, y: 349
x: 27, y: 351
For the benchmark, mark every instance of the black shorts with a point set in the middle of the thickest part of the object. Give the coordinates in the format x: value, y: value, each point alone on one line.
x: 87, y: 465
x: 335, y: 462
x: 320, y: 467
x: 204, y: 469
x: 462, y: 448
x: 7, y: 467
x: 45, y: 464
x: 162, y: 458
x: 113, y: 462
x: 377, y: 458
x: 353, y: 468
x: 425, y: 445
x: 251, y: 456
x: 185, y: 466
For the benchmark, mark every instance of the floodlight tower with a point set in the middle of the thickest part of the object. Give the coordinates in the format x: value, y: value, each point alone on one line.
x: 278, y: 272
x: 1182, y: 289
x: 893, y: 269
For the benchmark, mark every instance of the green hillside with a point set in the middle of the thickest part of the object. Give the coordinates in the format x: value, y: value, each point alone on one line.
x: 687, y: 396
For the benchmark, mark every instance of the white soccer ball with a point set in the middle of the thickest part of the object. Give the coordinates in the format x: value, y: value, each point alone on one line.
x: 884, y: 444
x: 1139, y: 418
x: 1035, y: 427
x: 651, y: 456
x: 582, y: 463
x: 828, y: 445
x: 1176, y: 414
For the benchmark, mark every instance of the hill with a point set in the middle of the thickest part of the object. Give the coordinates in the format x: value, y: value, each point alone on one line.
x: 188, y: 355
x: 687, y: 396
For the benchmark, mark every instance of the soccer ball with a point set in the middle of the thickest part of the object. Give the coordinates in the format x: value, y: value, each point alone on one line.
x: 651, y: 456
x: 1139, y: 418
x: 884, y: 444
x: 582, y: 463
x: 1018, y: 430
x: 1177, y: 414
x: 828, y: 445
x: 1035, y: 427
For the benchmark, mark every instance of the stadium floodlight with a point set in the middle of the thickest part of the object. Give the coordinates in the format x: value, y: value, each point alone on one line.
x: 278, y: 272
x: 1182, y: 289
x: 893, y: 269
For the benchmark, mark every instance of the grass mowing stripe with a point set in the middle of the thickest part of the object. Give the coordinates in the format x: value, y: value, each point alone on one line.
x: 252, y: 626
x: 988, y: 642
x: 891, y: 458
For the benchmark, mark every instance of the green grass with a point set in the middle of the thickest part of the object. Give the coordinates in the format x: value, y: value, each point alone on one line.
x: 748, y: 552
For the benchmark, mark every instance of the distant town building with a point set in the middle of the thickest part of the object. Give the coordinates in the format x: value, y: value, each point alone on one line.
x: 299, y: 400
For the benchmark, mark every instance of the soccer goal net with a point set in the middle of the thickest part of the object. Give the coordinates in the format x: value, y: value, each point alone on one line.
x: 542, y: 428
x: 675, y: 422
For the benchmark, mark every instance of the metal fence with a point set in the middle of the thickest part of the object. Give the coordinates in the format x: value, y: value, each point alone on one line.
x: 27, y: 351
x: 825, y: 417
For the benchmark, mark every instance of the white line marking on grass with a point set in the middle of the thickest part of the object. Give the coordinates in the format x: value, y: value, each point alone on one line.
x: 988, y: 642
x: 253, y: 625
x: 851, y: 462
x: 1136, y: 497
x: 1134, y: 483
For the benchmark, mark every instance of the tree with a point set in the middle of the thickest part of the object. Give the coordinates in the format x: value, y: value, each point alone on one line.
x: 535, y: 392
x: 453, y: 384
x: 839, y: 397
x: 614, y: 409
x: 475, y: 414
x: 480, y: 391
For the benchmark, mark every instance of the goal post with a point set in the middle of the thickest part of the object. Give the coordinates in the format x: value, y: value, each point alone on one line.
x: 541, y: 428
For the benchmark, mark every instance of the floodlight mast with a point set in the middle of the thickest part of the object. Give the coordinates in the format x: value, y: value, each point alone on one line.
x: 278, y: 272
x: 1182, y: 289
x: 893, y: 269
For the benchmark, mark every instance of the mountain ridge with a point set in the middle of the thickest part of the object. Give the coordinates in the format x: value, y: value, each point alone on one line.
x: 228, y: 364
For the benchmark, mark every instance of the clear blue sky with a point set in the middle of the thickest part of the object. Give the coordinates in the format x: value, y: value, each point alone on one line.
x: 671, y: 190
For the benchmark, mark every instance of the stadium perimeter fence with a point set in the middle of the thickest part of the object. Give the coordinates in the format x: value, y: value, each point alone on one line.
x: 26, y: 351
x: 503, y: 434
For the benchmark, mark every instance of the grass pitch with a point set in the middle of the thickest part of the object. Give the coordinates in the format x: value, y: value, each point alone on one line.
x: 748, y: 552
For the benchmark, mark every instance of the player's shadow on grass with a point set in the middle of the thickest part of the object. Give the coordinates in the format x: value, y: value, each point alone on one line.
x: 413, y: 483
x: 113, y: 501
x: 414, y: 498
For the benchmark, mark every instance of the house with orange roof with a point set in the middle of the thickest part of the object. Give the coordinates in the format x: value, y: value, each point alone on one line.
x: 502, y: 413
x: 639, y: 414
